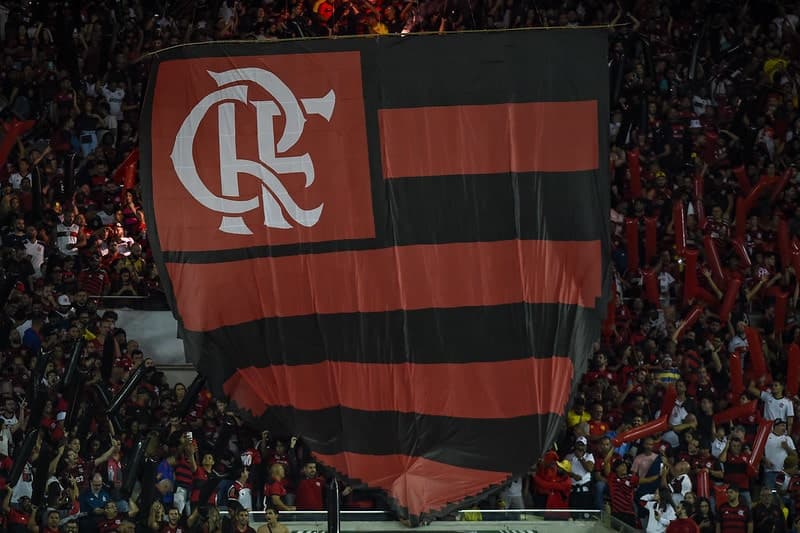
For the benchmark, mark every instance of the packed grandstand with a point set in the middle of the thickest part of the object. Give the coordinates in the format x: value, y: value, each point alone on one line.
x: 685, y: 420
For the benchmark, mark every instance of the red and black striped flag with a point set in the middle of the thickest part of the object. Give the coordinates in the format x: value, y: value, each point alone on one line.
x: 395, y: 246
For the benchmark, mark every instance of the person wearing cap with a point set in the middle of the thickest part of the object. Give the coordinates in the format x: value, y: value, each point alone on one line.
x: 778, y: 447
x: 582, y: 466
x: 667, y: 374
x: 62, y: 314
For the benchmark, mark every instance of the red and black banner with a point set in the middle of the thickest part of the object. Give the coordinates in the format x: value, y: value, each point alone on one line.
x: 395, y: 247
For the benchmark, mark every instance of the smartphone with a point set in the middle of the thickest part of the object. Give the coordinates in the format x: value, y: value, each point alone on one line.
x: 189, y: 436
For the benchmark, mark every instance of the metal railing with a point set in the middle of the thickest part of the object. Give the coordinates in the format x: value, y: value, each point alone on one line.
x: 487, y: 515
x: 153, y: 302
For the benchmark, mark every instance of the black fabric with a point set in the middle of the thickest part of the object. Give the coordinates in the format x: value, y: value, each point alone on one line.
x: 406, y: 72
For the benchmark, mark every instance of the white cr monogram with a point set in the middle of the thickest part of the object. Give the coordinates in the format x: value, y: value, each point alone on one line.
x: 274, y: 196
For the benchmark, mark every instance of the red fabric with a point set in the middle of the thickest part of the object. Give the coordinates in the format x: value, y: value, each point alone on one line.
x: 14, y: 129
x: 764, y: 428
x: 549, y: 480
x: 702, y: 481
x: 16, y: 517
x: 731, y: 294
x: 757, y: 360
x: 645, y: 430
x: 743, y: 409
x: 632, y: 240
x: 125, y: 174
x: 635, y: 168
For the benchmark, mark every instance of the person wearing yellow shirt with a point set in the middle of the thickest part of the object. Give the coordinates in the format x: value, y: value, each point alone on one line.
x: 577, y: 414
x: 376, y: 27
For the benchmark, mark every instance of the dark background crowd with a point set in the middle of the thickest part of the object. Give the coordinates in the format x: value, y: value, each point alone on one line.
x: 705, y: 135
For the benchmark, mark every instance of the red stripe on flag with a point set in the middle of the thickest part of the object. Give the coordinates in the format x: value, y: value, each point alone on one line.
x: 489, y: 139
x: 213, y: 295
x: 542, y: 387
x: 418, y: 484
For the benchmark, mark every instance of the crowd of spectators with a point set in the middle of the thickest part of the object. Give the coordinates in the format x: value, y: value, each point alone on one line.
x: 704, y: 108
x: 705, y: 224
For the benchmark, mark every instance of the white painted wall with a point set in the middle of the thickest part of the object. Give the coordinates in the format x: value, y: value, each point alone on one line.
x: 156, y: 332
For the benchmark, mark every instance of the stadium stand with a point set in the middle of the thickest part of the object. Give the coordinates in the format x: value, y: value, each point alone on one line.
x: 687, y: 416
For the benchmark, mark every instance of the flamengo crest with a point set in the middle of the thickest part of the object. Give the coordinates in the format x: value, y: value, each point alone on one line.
x: 274, y: 196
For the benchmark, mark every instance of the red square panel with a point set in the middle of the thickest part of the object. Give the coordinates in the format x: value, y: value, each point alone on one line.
x: 260, y: 150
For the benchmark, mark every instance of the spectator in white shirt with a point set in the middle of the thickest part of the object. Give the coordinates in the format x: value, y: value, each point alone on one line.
x: 779, y: 446
x: 776, y: 405
x: 23, y: 171
x: 67, y: 235
x: 35, y: 249
x: 114, y: 95
x: 681, y: 483
x: 659, y: 509
x: 581, y: 473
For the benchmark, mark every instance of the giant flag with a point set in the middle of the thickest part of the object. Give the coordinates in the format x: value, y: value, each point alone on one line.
x: 394, y: 246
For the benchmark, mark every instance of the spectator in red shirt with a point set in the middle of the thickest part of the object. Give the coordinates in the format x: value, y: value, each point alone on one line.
x: 734, y: 516
x: 310, y: 489
x: 94, y: 279
x: 239, y: 492
x: 22, y: 515
x: 622, y: 486
x: 200, y: 478
x: 275, y: 491
x: 597, y: 427
x: 735, y: 461
x: 605, y: 453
